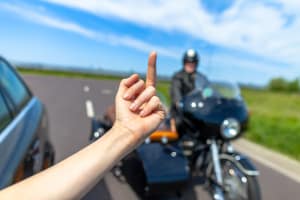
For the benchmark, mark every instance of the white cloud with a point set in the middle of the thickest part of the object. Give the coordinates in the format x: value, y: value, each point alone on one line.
x: 34, y: 16
x: 252, y: 26
x: 236, y: 28
x: 110, y: 38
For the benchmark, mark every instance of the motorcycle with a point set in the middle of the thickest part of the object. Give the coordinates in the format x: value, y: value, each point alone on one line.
x: 212, y: 115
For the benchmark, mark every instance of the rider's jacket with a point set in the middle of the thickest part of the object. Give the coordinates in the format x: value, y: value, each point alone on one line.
x: 183, y: 83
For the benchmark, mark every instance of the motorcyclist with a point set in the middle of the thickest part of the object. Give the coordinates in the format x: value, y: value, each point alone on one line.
x: 182, y: 83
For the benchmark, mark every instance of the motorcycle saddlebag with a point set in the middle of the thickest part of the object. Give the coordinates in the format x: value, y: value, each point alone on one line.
x: 165, y: 167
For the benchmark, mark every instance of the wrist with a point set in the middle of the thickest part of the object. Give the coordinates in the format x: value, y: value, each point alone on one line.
x: 121, y: 128
x: 123, y: 132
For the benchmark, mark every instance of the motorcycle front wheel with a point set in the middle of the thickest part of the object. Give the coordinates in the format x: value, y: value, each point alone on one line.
x: 236, y: 184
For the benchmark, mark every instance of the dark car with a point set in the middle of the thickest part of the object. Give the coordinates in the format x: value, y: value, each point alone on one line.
x: 25, y: 148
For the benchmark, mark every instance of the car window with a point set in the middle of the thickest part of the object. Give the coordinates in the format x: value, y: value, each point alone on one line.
x: 5, y: 116
x: 12, y: 86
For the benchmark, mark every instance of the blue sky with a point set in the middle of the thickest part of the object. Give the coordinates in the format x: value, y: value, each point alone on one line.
x: 238, y: 40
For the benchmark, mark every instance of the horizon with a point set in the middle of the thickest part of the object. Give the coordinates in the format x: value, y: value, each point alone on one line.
x: 105, y: 71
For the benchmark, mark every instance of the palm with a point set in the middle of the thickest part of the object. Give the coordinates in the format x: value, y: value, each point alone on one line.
x: 136, y: 123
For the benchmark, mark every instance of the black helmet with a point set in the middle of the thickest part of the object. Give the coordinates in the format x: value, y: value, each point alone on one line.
x: 190, y: 56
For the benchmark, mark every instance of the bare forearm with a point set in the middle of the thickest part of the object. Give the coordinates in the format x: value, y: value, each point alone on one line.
x: 138, y: 113
x: 75, y: 176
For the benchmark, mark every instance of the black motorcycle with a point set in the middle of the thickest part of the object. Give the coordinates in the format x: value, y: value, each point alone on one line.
x: 211, y: 117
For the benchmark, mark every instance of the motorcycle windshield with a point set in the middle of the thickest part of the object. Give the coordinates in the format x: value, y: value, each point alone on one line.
x: 217, y: 89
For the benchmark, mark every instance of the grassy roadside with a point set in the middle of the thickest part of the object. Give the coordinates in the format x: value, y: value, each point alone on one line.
x: 274, y: 121
x: 68, y: 74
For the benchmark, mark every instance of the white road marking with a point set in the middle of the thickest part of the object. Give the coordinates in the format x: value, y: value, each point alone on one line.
x: 86, y: 88
x: 106, y: 91
x: 89, y: 109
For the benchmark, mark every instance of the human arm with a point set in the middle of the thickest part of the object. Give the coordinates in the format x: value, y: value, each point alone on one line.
x: 138, y: 113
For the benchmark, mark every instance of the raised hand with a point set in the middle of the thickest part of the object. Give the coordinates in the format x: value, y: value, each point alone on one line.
x: 138, y: 113
x: 138, y: 109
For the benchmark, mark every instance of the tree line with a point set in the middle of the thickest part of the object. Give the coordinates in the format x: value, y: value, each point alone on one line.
x: 280, y: 84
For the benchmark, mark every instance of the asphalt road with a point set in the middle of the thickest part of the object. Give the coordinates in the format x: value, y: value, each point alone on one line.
x: 70, y: 128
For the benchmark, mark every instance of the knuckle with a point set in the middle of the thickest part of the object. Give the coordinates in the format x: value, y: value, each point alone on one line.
x: 142, y: 82
x: 130, y: 92
x: 156, y: 99
x: 123, y: 81
x: 151, y: 89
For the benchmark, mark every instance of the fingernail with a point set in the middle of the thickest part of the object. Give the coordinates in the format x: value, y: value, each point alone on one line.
x: 142, y: 113
x: 132, y: 106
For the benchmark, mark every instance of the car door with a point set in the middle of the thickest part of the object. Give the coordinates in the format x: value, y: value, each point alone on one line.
x: 21, y: 115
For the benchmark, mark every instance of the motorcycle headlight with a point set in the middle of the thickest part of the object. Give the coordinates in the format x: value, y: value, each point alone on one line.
x: 230, y: 128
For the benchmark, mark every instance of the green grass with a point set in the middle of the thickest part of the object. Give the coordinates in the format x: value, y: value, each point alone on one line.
x: 274, y: 120
x: 163, y: 87
x: 68, y: 74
